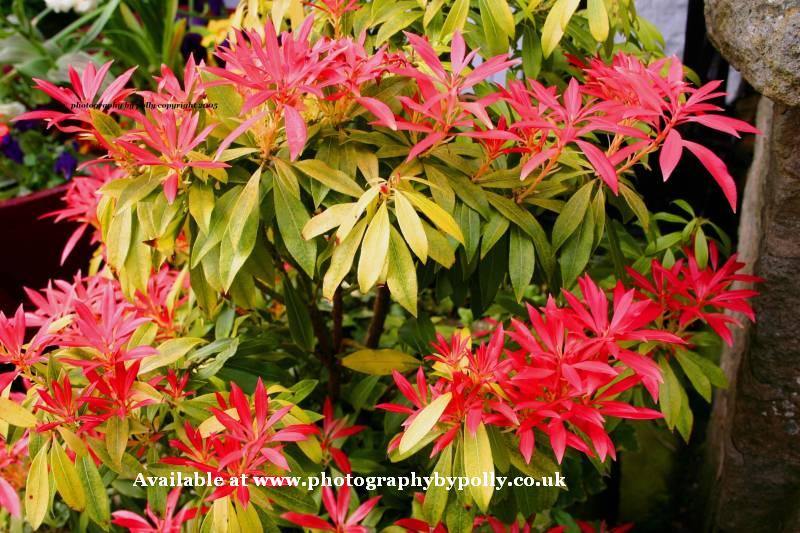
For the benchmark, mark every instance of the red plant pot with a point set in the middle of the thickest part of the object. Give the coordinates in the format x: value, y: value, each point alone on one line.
x: 32, y: 246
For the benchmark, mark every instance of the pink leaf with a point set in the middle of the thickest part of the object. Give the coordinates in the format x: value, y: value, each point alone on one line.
x: 380, y: 110
x: 535, y: 161
x: 725, y: 124
x: 600, y: 163
x: 717, y: 168
x: 9, y: 500
x: 670, y: 153
x: 296, y: 132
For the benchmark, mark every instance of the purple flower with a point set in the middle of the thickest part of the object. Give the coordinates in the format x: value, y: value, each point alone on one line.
x: 10, y: 148
x: 65, y: 164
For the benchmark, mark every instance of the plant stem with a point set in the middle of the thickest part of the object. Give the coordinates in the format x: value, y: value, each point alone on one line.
x: 379, y: 311
x: 338, y: 316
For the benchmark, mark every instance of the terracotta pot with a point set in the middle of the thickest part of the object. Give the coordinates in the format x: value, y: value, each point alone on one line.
x: 31, y: 247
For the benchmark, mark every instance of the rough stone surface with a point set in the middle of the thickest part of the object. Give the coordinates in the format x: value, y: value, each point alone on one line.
x: 761, y: 39
x: 754, y: 438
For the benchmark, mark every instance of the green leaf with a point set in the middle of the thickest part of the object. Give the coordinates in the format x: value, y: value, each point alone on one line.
x: 636, y: 204
x: 380, y: 362
x: 439, y: 249
x: 298, y: 317
x: 97, y: 504
x: 201, y: 204
x: 117, y: 433
x: 493, y: 231
x: 332, y: 178
x: 521, y: 261
x: 441, y: 218
x: 332, y: 217
x: 577, y: 252
x: 424, y: 422
x: 37, y: 490
x: 531, y: 53
x: 701, y: 248
x: 598, y: 19
x: 669, y: 396
x: 696, y: 376
x: 400, y: 21
x: 292, y: 218
x: 571, y: 216
x: 411, y: 226
x: 478, y: 463
x: 342, y: 260
x: 15, y: 414
x: 105, y: 125
x: 242, y: 231
x: 528, y: 223
x: 402, y: 275
x: 67, y: 481
x: 456, y: 19
x: 374, y: 250
x: 496, y: 39
x: 436, y: 497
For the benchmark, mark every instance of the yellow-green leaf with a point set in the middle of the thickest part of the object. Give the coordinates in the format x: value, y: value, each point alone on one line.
x: 411, y: 227
x: 292, y: 218
x: 37, y: 489
x: 598, y: 19
x: 380, y: 362
x: 330, y: 177
x: 402, y: 275
x: 15, y: 414
x: 424, y: 422
x: 169, y: 352
x: 342, y: 260
x: 554, y: 24
x: 477, y: 463
x: 332, y: 217
x: 68, y: 483
x: 356, y: 212
x: 374, y: 249
x: 441, y: 218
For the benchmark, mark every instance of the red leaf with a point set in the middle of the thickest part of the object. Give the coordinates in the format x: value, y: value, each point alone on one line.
x: 380, y: 110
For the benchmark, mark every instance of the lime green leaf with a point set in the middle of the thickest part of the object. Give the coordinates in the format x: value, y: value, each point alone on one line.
x: 577, y: 252
x: 669, y: 396
x: 332, y: 178
x: 292, y: 218
x: 380, y: 362
x: 15, y: 414
x: 521, y: 261
x: 496, y: 38
x: 477, y: 463
x: 439, y: 248
x: 456, y: 18
x: 598, y: 19
x: 374, y: 249
x: 118, y: 240
x: 201, y: 204
x: 411, y: 226
x: 436, y: 497
x: 97, y: 504
x: 424, y: 422
x: 67, y: 481
x: 37, y: 489
x: 342, y: 260
x: 117, y: 433
x: 695, y: 373
x: 701, y: 248
x: 402, y: 275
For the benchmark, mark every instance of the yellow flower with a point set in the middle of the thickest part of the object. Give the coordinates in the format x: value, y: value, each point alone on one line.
x: 217, y: 31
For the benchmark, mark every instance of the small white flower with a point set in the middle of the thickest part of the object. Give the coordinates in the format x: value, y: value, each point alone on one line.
x: 11, y: 110
x: 82, y: 6
x: 60, y: 6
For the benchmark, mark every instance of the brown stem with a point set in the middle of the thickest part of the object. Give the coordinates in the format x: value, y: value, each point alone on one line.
x: 379, y: 311
x: 338, y: 316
